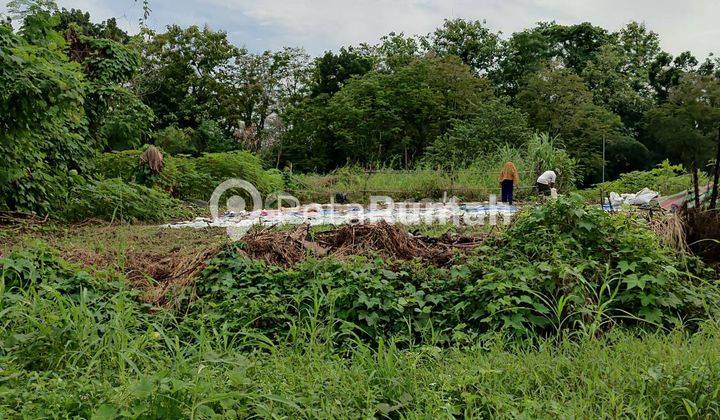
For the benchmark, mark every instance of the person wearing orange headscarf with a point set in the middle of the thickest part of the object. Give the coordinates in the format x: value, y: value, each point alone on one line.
x: 509, y: 178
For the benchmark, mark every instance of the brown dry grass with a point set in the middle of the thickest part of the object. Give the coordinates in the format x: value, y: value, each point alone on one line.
x: 286, y: 248
x: 154, y: 260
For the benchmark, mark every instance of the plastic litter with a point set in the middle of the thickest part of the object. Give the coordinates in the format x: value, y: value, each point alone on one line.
x: 642, y: 197
x: 403, y: 213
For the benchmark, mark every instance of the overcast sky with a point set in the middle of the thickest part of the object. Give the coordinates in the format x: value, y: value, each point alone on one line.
x: 320, y: 25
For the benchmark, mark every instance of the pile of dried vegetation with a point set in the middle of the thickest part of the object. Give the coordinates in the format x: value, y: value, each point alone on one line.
x: 287, y: 248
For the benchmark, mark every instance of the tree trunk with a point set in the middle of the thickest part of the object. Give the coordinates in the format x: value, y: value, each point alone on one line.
x: 696, y: 183
x: 716, y: 175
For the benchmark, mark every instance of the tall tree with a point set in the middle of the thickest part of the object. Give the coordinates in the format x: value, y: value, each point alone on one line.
x: 471, y: 41
x: 258, y: 86
x: 332, y: 70
x: 684, y: 128
x: 180, y: 72
x: 528, y: 51
x: 614, y: 88
x: 558, y: 102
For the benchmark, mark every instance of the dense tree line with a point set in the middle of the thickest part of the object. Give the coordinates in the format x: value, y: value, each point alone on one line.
x: 71, y: 87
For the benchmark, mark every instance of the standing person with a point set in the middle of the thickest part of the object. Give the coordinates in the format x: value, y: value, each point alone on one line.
x: 509, y: 178
x: 545, y: 182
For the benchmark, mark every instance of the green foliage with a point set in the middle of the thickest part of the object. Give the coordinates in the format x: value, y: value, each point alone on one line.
x: 126, y: 124
x: 190, y: 178
x: 685, y: 128
x: 559, y: 267
x: 113, y: 199
x: 332, y: 70
x: 496, y: 125
x: 239, y: 164
x: 180, y: 89
x: 563, y: 265
x: 175, y: 140
x: 665, y: 178
x: 81, y: 345
x: 389, y: 118
x: 471, y: 41
x: 95, y: 352
x: 41, y: 112
x: 558, y: 102
x: 209, y: 137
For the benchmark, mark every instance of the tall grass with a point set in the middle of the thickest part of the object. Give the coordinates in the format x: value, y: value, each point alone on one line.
x: 60, y: 358
x: 474, y: 183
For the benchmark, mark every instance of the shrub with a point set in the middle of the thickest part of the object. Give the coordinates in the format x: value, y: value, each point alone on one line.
x: 209, y: 137
x: 190, y: 178
x: 560, y: 267
x: 113, y: 199
x: 564, y: 265
x: 127, y: 124
x: 239, y: 164
x: 666, y: 179
x: 175, y: 141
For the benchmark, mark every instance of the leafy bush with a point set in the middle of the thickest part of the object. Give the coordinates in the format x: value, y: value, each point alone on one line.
x: 113, y: 199
x: 127, y: 124
x: 559, y: 267
x: 175, y: 141
x: 190, y: 178
x: 667, y: 179
x: 239, y: 164
x: 209, y: 137
x: 564, y: 265
x: 42, y: 118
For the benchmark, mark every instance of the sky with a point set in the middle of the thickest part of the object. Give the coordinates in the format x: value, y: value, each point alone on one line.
x: 320, y: 25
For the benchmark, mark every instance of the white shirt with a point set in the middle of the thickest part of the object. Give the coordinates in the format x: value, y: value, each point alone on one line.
x: 547, y: 178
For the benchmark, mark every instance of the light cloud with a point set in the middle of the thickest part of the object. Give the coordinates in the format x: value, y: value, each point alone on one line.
x: 320, y: 25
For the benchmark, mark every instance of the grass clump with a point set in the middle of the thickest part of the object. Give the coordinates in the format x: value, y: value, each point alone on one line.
x: 476, y: 182
x: 113, y: 199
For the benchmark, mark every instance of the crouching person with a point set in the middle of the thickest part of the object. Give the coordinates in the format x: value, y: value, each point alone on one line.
x: 546, y: 182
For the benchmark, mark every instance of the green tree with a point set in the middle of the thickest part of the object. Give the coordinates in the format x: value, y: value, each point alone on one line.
x: 495, y: 124
x: 639, y: 48
x: 558, y: 102
x: 684, y: 128
x: 665, y: 72
x: 528, y: 51
x: 331, y: 71
x: 393, y: 117
x: 258, y: 86
x: 614, y: 87
x: 179, y: 78
x: 396, y: 51
x: 41, y: 115
x: 471, y: 41
x: 117, y: 118
x: 105, y: 30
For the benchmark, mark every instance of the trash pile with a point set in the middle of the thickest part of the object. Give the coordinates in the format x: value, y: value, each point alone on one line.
x: 336, y: 214
x: 640, y: 198
x: 288, y: 247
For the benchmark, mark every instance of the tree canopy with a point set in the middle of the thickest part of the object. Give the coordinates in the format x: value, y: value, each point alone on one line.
x: 72, y: 87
